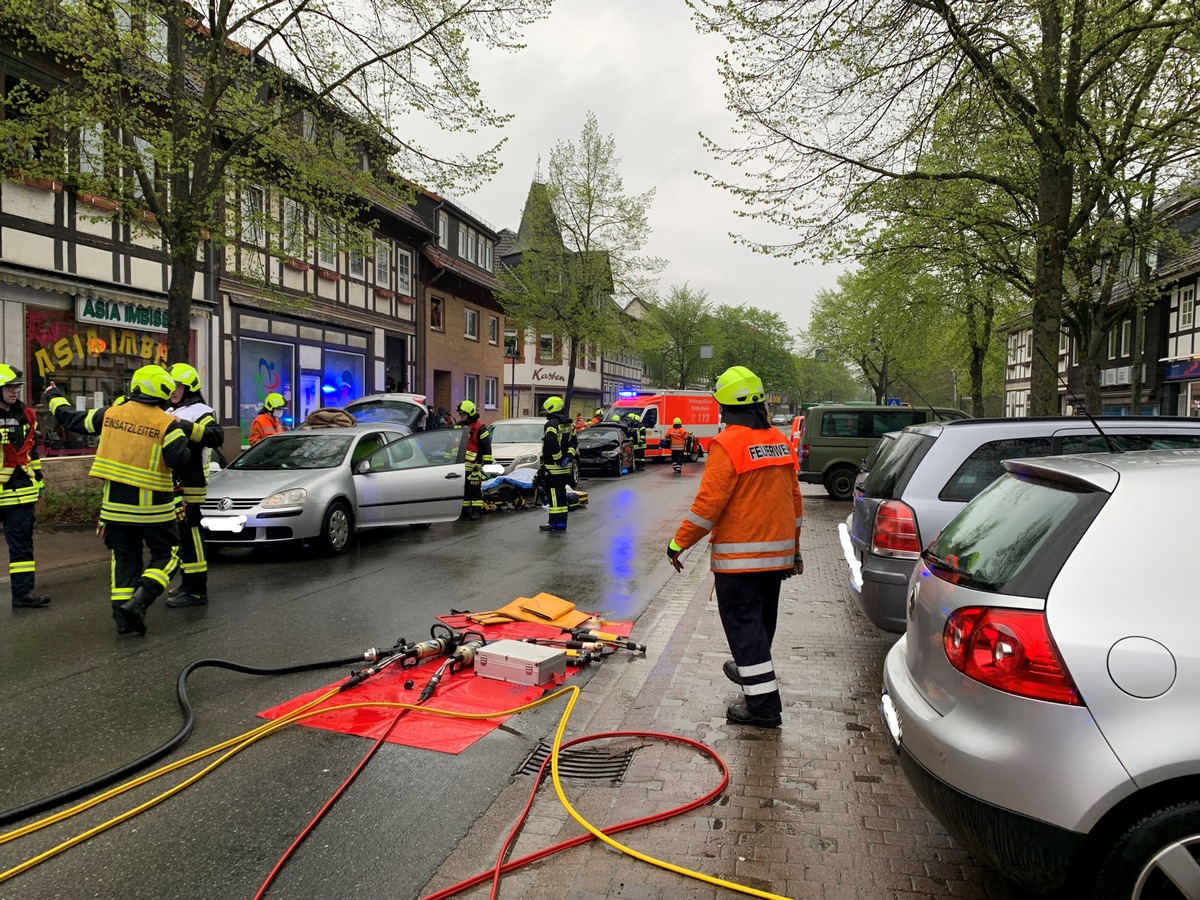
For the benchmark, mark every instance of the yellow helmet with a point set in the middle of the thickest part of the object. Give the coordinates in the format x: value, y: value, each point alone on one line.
x: 552, y: 404
x: 187, y: 376
x: 678, y: 421
x: 616, y: 417
x: 738, y: 386
x: 634, y: 417
x: 274, y: 401
x: 467, y: 408
x: 598, y: 413
x: 152, y: 381
x: 10, y: 377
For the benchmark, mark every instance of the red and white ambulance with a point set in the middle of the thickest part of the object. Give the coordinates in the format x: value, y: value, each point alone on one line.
x: 699, y: 412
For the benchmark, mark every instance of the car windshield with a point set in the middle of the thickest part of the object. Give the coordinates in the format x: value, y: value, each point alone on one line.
x: 1015, y: 536
x: 397, y: 411
x: 296, y: 450
x: 604, y: 431
x: 518, y: 432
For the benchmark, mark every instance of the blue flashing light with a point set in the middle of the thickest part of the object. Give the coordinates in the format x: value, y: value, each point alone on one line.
x: 328, y: 389
x: 627, y: 394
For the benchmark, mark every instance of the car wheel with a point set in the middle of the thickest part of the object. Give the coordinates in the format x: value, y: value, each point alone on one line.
x: 336, y: 528
x: 576, y: 477
x: 839, y: 482
x: 1153, y: 857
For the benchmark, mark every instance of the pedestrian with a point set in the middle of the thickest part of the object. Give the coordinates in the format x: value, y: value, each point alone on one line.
x: 20, y: 487
x: 579, y: 423
x: 204, y: 436
x: 266, y: 423
x: 597, y: 417
x: 639, y: 442
x: 677, y: 437
x: 749, y: 499
x: 141, y: 445
x: 479, y: 454
x: 557, y: 456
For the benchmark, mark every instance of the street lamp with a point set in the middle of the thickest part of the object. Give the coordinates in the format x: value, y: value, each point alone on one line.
x: 511, y: 354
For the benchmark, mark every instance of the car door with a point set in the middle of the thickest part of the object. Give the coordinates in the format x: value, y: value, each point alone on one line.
x: 414, y: 480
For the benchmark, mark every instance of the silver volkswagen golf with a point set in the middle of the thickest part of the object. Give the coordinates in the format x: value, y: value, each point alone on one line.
x: 1043, y: 701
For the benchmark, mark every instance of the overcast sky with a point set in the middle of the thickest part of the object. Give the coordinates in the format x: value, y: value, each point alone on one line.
x: 652, y: 82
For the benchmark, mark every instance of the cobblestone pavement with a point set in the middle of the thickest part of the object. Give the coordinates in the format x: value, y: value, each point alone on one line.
x: 816, y: 809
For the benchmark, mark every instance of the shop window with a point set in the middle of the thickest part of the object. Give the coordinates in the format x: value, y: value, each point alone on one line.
x: 264, y: 367
x: 342, y: 381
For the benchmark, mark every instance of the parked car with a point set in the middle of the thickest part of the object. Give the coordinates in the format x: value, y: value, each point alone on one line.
x: 930, y: 471
x: 326, y: 484
x: 606, y: 449
x: 409, y: 410
x: 781, y: 418
x: 1043, y: 701
x: 837, y: 438
x: 517, y: 443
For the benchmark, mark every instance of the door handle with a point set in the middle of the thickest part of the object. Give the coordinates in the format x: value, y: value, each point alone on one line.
x: 454, y: 475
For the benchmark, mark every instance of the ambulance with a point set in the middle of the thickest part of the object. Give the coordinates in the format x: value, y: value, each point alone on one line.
x: 699, y: 412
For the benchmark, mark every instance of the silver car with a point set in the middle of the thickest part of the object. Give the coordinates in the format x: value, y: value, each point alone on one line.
x: 408, y: 410
x: 325, y: 484
x: 1043, y: 700
x: 517, y: 443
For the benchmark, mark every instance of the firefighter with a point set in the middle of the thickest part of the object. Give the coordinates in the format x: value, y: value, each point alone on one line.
x: 597, y: 417
x: 479, y: 454
x: 20, y: 487
x: 266, y: 423
x: 678, y: 436
x: 557, y: 456
x: 204, y: 436
x: 140, y: 446
x: 639, y: 442
x: 749, y: 499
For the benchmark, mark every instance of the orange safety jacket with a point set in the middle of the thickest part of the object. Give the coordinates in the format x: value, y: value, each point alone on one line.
x: 263, y: 426
x: 749, y: 500
x: 678, y: 435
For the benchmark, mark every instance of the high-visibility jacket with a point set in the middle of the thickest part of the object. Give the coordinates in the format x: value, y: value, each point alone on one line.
x: 203, y: 434
x: 678, y: 436
x: 479, y: 445
x: 749, y: 500
x: 20, y: 466
x: 639, y: 437
x: 140, y: 446
x: 559, y: 446
x: 264, y: 425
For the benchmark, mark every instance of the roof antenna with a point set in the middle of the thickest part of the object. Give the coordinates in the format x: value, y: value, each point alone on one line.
x: 934, y: 412
x: 1112, y: 446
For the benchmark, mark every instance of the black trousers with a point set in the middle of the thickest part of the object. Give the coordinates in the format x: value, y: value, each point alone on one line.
x: 749, y: 609
x: 18, y: 533
x: 193, y: 564
x: 677, y: 456
x: 639, y: 457
x: 473, y: 489
x: 556, y: 492
x: 129, y: 567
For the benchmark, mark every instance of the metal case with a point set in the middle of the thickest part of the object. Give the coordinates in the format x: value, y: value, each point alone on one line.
x: 520, y: 663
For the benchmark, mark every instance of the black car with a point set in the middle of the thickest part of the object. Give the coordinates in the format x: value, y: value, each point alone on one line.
x: 606, y: 448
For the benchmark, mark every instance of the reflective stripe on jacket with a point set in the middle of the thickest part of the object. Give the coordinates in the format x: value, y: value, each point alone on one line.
x: 678, y: 436
x: 20, y: 471
x: 263, y: 426
x: 749, y: 500
x: 479, y: 445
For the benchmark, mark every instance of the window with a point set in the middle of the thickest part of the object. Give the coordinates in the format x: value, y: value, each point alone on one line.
x: 1113, y: 336
x: 462, y: 241
x: 491, y: 393
x: 471, y: 245
x: 493, y: 330
x: 1064, y: 342
x: 403, y: 271
x: 156, y: 39
x: 546, y: 347
x: 487, y: 262
x: 437, y: 314
x: 358, y: 257
x: 254, y: 202
x: 512, y: 350
x: 141, y: 147
x: 327, y: 252
x: 471, y: 324
x: 307, y: 125
x: 295, y: 224
x: 1126, y: 337
x: 471, y: 388
x: 91, y: 149
x: 984, y: 465
x: 383, y: 263
x: 342, y: 380
x: 482, y: 251
x: 1187, y: 306
x: 443, y: 226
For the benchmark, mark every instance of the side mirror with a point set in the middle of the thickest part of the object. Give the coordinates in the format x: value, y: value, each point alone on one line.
x: 363, y: 468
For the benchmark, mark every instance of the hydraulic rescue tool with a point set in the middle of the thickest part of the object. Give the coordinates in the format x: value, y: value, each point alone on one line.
x: 614, y: 639
x: 463, y: 655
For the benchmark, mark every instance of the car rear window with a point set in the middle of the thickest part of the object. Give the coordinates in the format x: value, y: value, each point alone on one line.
x: 1094, y: 443
x: 1015, y: 536
x: 899, y: 458
x: 984, y: 465
x: 374, y: 411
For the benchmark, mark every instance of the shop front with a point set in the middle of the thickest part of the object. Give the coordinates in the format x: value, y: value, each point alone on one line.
x: 1182, y: 377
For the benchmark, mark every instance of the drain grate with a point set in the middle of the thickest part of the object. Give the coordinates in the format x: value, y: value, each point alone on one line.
x: 583, y: 763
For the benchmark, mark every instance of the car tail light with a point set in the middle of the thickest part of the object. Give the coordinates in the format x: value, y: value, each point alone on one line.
x: 895, y: 532
x: 1009, y: 650
x: 804, y: 451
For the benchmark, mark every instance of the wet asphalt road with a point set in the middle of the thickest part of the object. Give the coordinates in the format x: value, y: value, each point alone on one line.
x: 77, y: 702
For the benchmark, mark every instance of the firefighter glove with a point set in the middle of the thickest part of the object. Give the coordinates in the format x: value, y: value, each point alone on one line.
x: 673, y: 551
x: 797, y: 566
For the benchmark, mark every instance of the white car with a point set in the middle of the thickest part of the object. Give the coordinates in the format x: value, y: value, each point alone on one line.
x: 517, y: 443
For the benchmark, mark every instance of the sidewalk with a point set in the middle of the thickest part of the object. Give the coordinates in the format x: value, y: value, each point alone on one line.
x: 815, y: 809
x: 65, y: 548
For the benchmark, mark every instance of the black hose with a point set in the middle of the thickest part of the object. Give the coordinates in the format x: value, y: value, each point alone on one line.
x: 20, y: 812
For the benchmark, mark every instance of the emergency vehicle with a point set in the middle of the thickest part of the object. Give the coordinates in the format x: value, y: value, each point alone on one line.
x: 699, y: 412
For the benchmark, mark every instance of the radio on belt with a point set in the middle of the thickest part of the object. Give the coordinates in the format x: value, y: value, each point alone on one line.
x: 520, y: 663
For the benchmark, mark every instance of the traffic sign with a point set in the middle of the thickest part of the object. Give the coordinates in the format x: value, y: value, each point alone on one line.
x: 892, y: 401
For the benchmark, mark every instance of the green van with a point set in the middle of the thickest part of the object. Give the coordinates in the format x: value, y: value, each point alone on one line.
x: 837, y: 438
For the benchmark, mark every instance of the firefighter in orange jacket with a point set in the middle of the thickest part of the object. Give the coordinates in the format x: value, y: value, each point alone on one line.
x: 749, y: 500
x: 266, y: 423
x: 20, y: 487
x: 677, y: 435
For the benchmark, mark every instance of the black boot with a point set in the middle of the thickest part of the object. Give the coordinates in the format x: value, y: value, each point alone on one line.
x: 119, y: 618
x: 185, y: 599
x: 134, y: 609
x: 31, y: 601
x: 475, y: 514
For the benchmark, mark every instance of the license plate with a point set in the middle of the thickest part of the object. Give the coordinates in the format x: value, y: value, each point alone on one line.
x: 233, y: 524
x: 891, y: 718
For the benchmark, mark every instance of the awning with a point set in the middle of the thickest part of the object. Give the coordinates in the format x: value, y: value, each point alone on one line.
x: 55, y: 284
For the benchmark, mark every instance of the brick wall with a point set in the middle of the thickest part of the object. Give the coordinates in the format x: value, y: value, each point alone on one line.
x: 64, y: 472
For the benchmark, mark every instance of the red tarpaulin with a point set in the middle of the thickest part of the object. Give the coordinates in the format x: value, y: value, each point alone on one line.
x: 461, y: 692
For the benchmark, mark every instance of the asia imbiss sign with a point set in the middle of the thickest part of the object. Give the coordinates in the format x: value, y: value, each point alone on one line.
x: 121, y: 313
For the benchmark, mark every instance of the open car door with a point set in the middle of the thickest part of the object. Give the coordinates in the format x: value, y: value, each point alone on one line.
x: 414, y: 480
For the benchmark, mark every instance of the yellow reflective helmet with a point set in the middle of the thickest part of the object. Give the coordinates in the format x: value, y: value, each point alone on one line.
x: 10, y: 377
x: 634, y: 417
x: 274, y: 401
x: 553, y: 404
x: 467, y: 408
x: 738, y: 386
x: 678, y: 421
x: 187, y: 376
x: 616, y: 417
x: 152, y: 381
x: 598, y: 413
